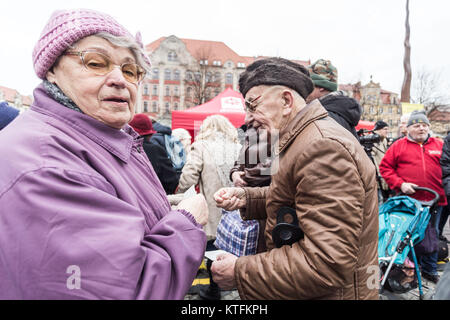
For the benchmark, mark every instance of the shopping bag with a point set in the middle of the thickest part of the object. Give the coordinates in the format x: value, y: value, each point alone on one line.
x: 237, y: 236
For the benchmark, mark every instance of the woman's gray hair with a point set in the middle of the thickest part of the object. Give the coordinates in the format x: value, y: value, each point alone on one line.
x: 131, y: 44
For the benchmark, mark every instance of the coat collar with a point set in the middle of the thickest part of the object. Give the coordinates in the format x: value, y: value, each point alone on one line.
x: 116, y: 141
x: 311, y: 112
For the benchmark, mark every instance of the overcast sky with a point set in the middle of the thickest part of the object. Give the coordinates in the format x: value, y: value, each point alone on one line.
x: 362, y: 38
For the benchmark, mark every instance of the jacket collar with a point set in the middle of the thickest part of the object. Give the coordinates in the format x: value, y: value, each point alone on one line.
x: 311, y: 112
x: 116, y: 141
x: 414, y: 141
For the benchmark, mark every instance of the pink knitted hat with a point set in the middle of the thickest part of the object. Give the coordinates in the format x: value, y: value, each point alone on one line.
x: 66, y: 27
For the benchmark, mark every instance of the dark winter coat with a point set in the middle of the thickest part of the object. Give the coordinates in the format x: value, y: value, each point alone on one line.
x: 161, y: 131
x: 162, y: 166
x: 344, y: 110
x: 254, y: 159
x: 445, y: 164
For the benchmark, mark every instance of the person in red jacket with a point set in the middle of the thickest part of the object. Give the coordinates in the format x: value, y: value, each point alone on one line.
x: 414, y: 161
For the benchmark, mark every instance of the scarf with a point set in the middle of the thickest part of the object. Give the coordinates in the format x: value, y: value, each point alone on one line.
x: 55, y: 92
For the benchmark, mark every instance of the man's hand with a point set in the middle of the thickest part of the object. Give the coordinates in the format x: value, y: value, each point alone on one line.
x: 197, y: 206
x: 230, y: 198
x: 223, y: 271
x: 407, y: 188
x: 237, y: 179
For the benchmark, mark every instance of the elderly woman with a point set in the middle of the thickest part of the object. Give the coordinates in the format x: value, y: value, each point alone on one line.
x: 82, y: 214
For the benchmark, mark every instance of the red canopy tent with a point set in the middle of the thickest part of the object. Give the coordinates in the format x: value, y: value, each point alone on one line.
x: 363, y: 124
x: 229, y: 103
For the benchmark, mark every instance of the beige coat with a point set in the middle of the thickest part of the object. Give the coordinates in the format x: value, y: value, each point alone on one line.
x: 201, y: 167
x: 327, y: 177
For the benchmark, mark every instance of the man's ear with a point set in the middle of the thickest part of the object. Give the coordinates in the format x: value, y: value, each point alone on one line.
x: 288, y: 102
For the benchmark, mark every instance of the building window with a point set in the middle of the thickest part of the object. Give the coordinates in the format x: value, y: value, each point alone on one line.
x: 197, y: 76
x: 167, y: 91
x: 145, y: 106
x: 146, y: 90
x: 167, y: 108
x: 189, y: 93
x: 155, y: 75
x: 175, y: 92
x: 189, y: 76
x: 155, y: 90
x: 176, y: 75
x: 154, y: 106
x: 380, y: 110
x: 172, y: 56
x: 371, y: 110
x: 390, y: 110
x: 208, y: 77
x: 175, y: 106
x: 204, y: 62
x: 217, y: 63
x: 229, y: 78
x: 217, y: 77
x: 241, y: 65
x: 167, y: 74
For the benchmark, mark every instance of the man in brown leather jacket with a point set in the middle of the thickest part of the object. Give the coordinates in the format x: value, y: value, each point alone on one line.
x: 322, y: 172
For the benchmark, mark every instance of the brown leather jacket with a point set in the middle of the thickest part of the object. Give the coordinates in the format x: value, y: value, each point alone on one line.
x: 324, y: 174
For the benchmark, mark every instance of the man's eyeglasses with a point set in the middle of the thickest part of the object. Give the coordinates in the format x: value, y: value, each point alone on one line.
x: 250, y: 106
x: 100, y: 64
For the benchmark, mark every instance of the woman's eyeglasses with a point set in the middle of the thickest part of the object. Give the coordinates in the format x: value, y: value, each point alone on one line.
x: 100, y: 64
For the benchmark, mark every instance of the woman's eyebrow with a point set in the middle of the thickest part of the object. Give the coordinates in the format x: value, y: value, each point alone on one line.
x: 106, y: 53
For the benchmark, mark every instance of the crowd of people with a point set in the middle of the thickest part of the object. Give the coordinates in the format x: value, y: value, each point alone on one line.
x: 97, y: 202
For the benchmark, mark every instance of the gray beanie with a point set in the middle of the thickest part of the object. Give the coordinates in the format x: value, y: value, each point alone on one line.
x: 418, y: 117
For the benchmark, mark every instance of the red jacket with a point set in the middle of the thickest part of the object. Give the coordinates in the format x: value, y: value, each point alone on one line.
x: 409, y: 161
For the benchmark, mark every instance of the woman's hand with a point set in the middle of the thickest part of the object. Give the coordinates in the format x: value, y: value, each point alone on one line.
x: 230, y: 198
x: 197, y: 206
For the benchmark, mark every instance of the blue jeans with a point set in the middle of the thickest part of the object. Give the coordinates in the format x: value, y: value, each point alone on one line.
x: 428, y: 262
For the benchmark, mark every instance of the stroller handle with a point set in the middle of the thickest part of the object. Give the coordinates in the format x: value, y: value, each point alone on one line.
x: 431, y: 202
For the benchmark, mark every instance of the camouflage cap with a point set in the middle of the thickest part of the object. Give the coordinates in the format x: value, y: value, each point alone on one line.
x: 324, y: 74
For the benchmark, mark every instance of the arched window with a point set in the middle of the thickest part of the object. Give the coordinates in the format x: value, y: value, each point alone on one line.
x: 209, y: 77
x: 189, y: 93
x: 217, y: 77
x: 167, y: 74
x: 172, y: 56
x: 176, y: 75
x: 229, y: 78
x: 155, y: 75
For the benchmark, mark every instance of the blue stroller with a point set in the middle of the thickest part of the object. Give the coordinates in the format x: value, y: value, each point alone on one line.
x: 402, y: 224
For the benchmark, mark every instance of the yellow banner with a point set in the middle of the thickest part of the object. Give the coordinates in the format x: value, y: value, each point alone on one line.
x: 410, y: 107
